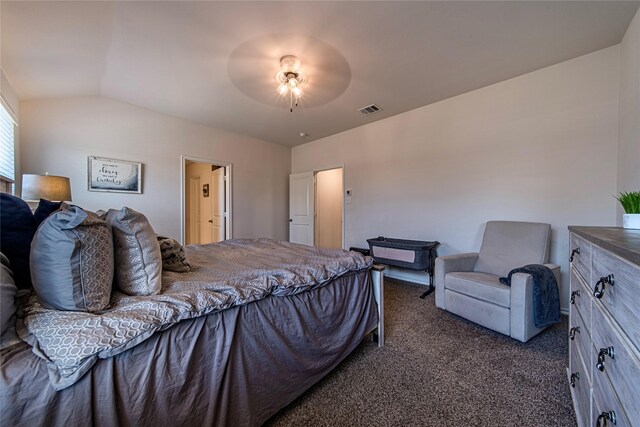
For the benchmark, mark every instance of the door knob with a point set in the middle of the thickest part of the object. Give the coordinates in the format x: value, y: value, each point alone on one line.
x: 210, y: 220
x: 290, y: 220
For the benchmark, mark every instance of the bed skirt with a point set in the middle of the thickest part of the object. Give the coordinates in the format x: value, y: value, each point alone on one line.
x: 236, y: 367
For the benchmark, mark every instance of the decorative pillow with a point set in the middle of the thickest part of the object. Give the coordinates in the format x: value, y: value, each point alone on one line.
x: 173, y: 255
x: 72, y: 261
x: 138, y: 261
x: 7, y: 295
x: 45, y: 208
x: 17, y: 228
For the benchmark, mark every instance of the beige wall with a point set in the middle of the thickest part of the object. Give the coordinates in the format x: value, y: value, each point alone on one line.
x: 9, y: 96
x: 629, y: 126
x: 539, y: 147
x: 57, y: 135
x: 328, y: 223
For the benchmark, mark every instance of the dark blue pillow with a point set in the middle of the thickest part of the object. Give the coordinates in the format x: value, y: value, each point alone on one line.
x: 7, y: 295
x: 45, y: 208
x: 17, y: 227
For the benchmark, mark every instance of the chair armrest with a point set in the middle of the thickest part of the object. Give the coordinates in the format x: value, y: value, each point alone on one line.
x: 521, y: 313
x: 459, y: 262
x: 521, y: 280
x: 447, y: 264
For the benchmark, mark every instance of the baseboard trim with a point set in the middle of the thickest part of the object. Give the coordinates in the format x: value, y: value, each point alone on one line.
x: 417, y: 277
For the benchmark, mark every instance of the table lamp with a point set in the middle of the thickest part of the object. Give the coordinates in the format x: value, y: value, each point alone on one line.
x: 48, y: 187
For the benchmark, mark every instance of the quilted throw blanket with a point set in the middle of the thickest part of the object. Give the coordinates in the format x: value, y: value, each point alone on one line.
x: 227, y: 274
x: 546, y: 297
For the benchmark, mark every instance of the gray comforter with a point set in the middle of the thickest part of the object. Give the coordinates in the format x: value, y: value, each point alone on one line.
x: 224, y: 275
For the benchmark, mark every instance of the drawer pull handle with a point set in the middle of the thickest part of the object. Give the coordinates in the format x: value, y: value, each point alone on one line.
x: 604, y: 352
x: 574, y: 294
x: 575, y: 376
x: 604, y: 417
x: 598, y: 292
x: 576, y: 251
x: 572, y: 332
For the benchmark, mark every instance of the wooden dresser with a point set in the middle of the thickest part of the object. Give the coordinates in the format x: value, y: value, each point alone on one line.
x: 604, y: 326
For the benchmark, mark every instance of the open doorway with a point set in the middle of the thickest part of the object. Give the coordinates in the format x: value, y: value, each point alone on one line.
x: 206, y: 201
x: 316, y: 208
x: 328, y: 222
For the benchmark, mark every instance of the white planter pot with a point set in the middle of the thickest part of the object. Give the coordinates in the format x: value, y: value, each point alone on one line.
x: 631, y: 221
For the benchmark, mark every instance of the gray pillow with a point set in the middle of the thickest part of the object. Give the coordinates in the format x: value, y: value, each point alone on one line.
x: 173, y: 256
x: 72, y: 261
x: 8, y: 291
x: 138, y: 262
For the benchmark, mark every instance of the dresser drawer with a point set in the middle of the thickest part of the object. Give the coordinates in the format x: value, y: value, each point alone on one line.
x: 581, y: 342
x: 580, y: 390
x: 622, y: 300
x: 581, y: 299
x: 623, y: 369
x: 605, y: 401
x: 581, y: 250
x: 611, y: 319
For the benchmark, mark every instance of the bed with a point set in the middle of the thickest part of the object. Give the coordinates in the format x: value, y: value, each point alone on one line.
x: 236, y: 362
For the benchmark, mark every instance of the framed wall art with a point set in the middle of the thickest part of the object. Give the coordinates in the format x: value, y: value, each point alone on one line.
x: 111, y: 175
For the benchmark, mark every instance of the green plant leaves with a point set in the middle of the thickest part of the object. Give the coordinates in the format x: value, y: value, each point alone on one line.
x: 630, y: 201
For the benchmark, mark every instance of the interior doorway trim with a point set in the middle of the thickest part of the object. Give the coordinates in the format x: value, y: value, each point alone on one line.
x: 344, y: 186
x: 228, y: 196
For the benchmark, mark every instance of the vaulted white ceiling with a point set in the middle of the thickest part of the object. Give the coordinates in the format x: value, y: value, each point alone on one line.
x: 215, y: 62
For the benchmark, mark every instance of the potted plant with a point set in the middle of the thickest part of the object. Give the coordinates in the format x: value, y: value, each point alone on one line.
x: 630, y: 202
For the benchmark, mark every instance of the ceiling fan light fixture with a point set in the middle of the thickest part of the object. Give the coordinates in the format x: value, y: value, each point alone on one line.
x: 291, y: 79
x: 283, y: 89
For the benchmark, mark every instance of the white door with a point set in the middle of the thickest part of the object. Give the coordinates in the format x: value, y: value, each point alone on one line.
x: 301, y: 208
x: 218, y: 211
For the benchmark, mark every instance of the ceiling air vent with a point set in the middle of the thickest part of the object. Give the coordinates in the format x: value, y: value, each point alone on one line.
x: 370, y: 109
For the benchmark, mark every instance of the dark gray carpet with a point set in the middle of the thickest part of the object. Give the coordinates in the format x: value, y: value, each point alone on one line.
x: 438, y: 369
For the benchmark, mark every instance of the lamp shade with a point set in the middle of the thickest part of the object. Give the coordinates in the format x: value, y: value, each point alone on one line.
x: 49, y: 187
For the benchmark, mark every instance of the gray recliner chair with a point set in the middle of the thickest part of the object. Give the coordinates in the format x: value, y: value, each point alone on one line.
x: 468, y: 284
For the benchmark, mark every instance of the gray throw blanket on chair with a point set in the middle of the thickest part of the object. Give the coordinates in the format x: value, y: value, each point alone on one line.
x: 546, y: 299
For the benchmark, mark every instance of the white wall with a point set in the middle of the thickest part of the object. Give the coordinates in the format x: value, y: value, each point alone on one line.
x: 57, y: 135
x: 539, y: 147
x: 629, y: 125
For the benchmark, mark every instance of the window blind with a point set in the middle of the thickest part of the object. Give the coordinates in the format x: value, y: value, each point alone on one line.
x: 7, y: 150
